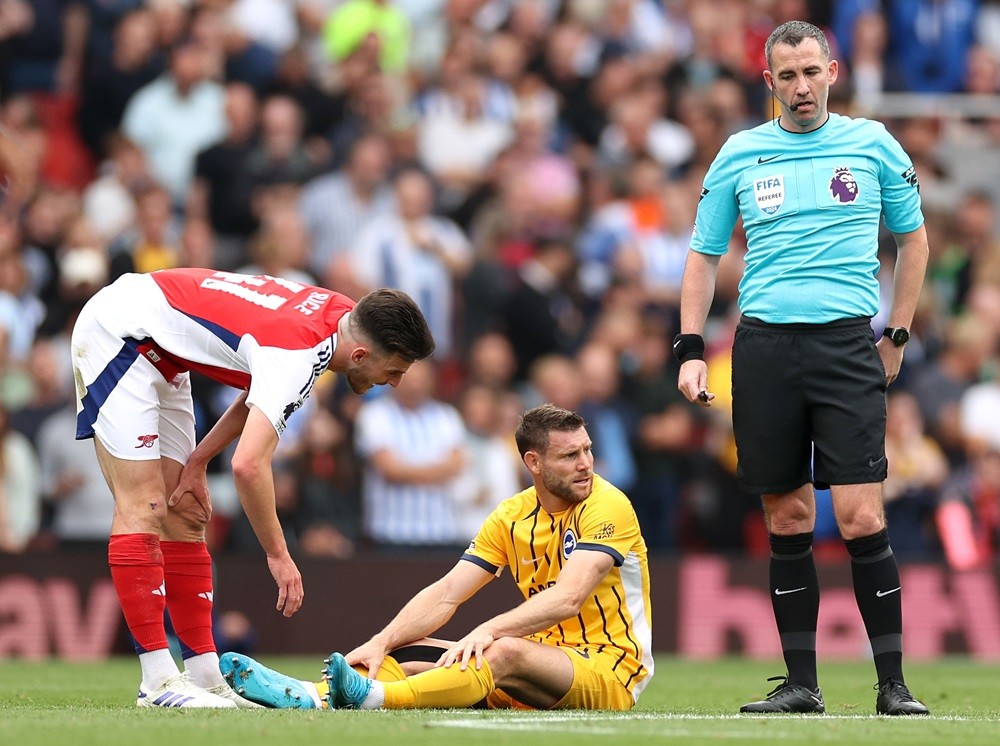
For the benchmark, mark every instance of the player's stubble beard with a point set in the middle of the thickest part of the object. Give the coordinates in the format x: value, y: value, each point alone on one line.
x: 565, y: 489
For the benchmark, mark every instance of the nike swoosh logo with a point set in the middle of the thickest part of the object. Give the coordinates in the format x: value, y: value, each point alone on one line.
x: 880, y: 594
x: 762, y: 159
x: 874, y: 461
x: 530, y: 561
x: 779, y: 592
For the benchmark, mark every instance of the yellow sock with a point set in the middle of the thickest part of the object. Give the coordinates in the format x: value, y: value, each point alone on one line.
x: 440, y: 687
x: 389, y: 671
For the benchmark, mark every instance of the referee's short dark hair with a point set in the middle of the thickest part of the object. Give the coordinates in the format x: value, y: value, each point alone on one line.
x: 532, y: 433
x: 794, y: 33
x: 390, y: 320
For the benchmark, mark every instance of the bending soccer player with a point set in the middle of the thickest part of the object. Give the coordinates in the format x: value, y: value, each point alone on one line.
x: 134, y: 345
x: 580, y: 639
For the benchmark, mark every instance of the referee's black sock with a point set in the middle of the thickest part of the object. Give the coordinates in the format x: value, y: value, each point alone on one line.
x: 877, y: 590
x: 795, y: 599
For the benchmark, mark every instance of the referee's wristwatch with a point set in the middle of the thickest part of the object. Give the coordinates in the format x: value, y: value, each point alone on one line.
x: 899, y: 335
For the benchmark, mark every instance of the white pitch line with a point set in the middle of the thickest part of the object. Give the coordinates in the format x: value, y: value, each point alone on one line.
x: 542, y: 720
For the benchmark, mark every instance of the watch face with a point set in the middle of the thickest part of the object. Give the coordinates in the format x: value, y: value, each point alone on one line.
x: 900, y: 336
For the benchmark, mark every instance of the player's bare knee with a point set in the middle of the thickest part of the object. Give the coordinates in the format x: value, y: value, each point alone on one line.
x: 505, y: 654
x: 184, y: 525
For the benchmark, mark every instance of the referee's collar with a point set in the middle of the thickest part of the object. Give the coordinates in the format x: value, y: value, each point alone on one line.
x: 829, y: 116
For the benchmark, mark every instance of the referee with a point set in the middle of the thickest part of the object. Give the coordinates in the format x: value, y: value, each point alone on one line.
x: 809, y: 380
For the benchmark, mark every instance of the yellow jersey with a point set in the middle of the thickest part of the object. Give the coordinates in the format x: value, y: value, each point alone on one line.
x: 534, y: 544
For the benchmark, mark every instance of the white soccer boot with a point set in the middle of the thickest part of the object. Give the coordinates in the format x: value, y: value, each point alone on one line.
x: 180, y: 691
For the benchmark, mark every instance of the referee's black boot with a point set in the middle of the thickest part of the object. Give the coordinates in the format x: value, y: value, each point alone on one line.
x: 788, y: 697
x: 895, y: 699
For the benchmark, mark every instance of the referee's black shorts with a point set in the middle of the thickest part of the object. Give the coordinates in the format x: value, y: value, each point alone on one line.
x: 808, y: 405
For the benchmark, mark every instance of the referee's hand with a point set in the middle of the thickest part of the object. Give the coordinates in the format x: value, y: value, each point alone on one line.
x: 892, y: 359
x: 692, y: 381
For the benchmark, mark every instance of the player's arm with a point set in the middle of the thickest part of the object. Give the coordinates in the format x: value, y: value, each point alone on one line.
x: 194, y: 479
x: 423, y: 614
x: 579, y: 577
x: 697, y: 292
x: 908, y: 278
x: 255, y: 487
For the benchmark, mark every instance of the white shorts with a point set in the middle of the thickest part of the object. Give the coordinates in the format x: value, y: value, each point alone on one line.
x: 120, y: 396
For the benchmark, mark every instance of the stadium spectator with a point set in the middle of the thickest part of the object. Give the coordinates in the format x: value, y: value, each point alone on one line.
x: 968, y: 515
x: 338, y: 206
x: 374, y: 23
x: 279, y: 162
x: 491, y: 362
x: 20, y: 492
x: 21, y: 313
x: 176, y: 116
x: 917, y: 469
x: 413, y: 449
x: 542, y: 314
x: 929, y: 41
x: 939, y: 385
x: 491, y: 471
x: 418, y: 252
x: 666, y: 433
x: 281, y: 247
x: 154, y: 243
x: 72, y: 484
x: 109, y: 200
x: 110, y: 83
x: 609, y: 420
x: 51, y: 388
x: 220, y: 190
x: 533, y: 656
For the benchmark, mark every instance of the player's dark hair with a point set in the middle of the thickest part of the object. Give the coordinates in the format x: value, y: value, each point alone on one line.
x: 533, y: 430
x: 793, y: 33
x: 391, y: 321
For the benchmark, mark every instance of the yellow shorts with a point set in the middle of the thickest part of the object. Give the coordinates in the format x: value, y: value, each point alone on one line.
x: 595, y: 686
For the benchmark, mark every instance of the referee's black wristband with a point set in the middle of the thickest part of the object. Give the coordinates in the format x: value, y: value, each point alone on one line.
x: 689, y: 347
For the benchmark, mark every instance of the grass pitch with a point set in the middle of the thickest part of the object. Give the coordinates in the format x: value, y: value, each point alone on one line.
x: 687, y: 702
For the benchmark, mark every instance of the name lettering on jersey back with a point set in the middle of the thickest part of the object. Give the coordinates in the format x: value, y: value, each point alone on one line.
x: 313, y: 303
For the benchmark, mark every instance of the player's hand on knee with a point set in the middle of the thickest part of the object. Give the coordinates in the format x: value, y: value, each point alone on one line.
x: 470, y: 647
x: 189, y: 508
x: 192, y: 485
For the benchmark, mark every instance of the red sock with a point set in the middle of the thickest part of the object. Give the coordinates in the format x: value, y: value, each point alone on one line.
x: 137, y: 572
x: 187, y: 567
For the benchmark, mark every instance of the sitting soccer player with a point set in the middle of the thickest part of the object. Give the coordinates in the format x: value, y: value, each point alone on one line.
x: 581, y: 638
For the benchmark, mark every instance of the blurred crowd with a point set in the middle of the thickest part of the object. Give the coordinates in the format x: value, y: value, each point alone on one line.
x: 528, y: 171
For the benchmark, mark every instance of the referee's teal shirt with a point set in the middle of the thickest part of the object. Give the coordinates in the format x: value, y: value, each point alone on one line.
x: 811, y: 204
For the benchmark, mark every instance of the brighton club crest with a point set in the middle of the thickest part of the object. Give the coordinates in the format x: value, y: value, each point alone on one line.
x: 843, y: 185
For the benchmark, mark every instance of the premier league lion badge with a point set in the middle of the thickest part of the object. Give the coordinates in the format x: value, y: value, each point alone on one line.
x: 843, y: 185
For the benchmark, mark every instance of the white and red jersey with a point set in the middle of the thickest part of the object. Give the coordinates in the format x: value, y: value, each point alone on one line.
x: 270, y: 336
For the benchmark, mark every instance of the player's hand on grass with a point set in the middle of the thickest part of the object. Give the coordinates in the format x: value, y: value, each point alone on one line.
x: 473, y: 645
x: 289, y: 580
